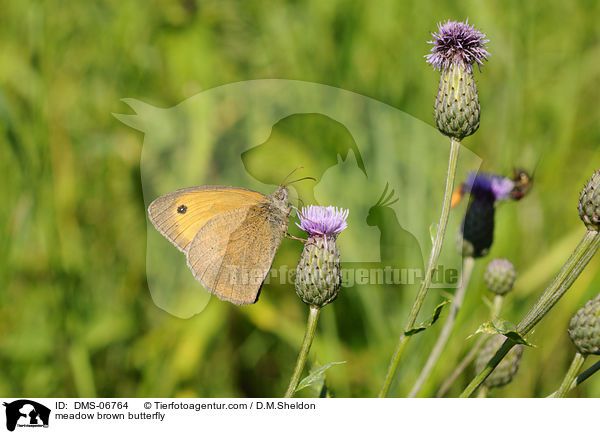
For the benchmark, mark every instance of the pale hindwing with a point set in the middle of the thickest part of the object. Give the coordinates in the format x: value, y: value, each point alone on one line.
x: 201, y: 204
x: 232, y: 254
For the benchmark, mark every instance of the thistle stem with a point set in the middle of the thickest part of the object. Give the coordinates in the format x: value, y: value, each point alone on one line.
x: 442, y: 340
x: 433, y: 259
x: 586, y: 374
x: 580, y: 257
x: 495, y: 312
x: 311, y: 326
x: 461, y: 366
x: 581, y: 377
x: 483, y: 392
x: 570, y: 376
x: 496, y: 307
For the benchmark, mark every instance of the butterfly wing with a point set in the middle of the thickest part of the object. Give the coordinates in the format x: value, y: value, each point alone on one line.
x: 233, y: 252
x: 179, y: 215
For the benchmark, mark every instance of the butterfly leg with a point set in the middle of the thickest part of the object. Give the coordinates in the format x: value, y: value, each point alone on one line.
x: 295, y: 238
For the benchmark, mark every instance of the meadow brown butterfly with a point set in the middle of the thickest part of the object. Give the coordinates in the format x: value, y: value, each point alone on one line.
x: 229, y: 235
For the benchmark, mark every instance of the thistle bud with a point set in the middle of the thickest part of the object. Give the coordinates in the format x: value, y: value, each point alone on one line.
x: 456, y: 46
x: 584, y: 328
x: 589, y: 203
x: 500, y: 276
x: 506, y: 369
x: 457, y: 104
x: 319, y: 275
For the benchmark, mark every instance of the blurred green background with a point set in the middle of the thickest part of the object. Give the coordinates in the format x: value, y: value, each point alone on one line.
x: 76, y: 316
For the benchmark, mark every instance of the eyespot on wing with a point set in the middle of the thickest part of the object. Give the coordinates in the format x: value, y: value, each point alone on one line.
x: 180, y: 214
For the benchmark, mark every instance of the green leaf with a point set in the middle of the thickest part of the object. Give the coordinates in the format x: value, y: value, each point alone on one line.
x: 502, y: 327
x: 316, y: 375
x: 426, y: 324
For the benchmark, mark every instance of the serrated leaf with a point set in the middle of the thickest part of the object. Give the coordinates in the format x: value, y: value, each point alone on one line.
x: 316, y: 375
x: 426, y: 324
x: 502, y: 327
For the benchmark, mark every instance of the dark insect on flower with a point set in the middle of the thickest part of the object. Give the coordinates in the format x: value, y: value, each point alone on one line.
x: 494, y: 187
x: 457, y: 43
x: 477, y: 234
x: 523, y: 182
x: 499, y: 187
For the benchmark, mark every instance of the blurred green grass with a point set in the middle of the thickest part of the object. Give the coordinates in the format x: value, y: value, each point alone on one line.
x: 76, y: 315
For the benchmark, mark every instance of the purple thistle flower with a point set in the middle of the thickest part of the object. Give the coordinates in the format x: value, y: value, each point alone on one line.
x: 457, y: 42
x: 322, y: 221
x: 488, y: 185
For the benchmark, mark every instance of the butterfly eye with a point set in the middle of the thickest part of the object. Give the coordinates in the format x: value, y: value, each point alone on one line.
x: 181, y: 209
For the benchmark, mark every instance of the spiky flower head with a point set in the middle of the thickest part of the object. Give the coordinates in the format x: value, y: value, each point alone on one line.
x: 322, y: 221
x: 589, y: 203
x: 319, y: 274
x: 584, y: 328
x: 500, y: 276
x: 456, y: 46
x: 457, y: 43
x: 506, y: 369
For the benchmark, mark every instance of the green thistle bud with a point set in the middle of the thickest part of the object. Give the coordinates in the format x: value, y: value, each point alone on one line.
x: 457, y: 105
x: 506, y: 369
x: 456, y: 47
x: 589, y: 203
x: 584, y: 328
x: 500, y: 276
x: 319, y: 275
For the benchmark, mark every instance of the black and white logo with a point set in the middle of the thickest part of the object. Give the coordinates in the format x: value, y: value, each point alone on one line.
x: 25, y: 413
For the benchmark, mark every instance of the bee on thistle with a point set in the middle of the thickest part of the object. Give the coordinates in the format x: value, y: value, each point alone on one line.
x: 477, y: 231
x: 523, y: 182
x: 519, y: 184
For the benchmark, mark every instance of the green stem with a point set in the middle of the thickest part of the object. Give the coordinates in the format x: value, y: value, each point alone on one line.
x: 311, y: 326
x: 494, y: 313
x: 442, y: 340
x: 461, y: 366
x: 570, y: 376
x: 581, y: 377
x: 580, y: 257
x: 483, y: 392
x: 586, y: 374
x: 433, y: 259
x: 496, y: 307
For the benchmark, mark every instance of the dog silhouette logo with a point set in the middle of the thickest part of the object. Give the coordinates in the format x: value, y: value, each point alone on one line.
x: 26, y: 413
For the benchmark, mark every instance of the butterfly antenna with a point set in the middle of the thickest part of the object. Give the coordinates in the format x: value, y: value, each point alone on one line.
x: 290, y: 174
x: 301, y: 179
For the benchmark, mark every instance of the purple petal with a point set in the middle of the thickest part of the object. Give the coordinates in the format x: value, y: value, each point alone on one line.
x: 322, y: 221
